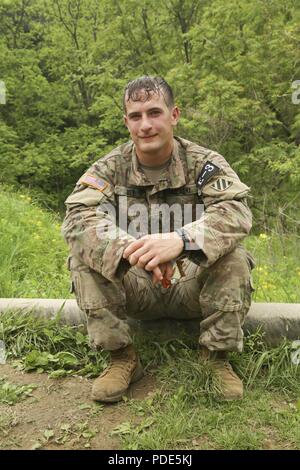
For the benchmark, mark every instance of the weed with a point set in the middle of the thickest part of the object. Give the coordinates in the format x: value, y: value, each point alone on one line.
x: 72, y: 433
x: 10, y: 394
x: 48, y: 346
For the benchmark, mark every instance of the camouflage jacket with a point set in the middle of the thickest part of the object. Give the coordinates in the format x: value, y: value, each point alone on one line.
x: 195, y: 175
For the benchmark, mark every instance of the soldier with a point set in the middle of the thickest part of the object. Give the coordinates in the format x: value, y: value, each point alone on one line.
x: 119, y: 271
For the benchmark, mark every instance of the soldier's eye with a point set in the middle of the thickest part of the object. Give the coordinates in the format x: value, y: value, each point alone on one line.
x: 155, y: 112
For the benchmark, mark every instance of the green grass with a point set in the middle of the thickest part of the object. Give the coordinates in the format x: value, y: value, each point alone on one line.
x: 176, y: 423
x: 32, y: 251
x: 185, y: 413
x: 277, y: 273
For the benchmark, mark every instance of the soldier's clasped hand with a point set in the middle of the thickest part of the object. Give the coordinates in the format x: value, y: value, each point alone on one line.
x: 151, y: 251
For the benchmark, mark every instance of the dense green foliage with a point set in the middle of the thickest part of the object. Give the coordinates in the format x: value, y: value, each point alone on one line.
x: 231, y: 63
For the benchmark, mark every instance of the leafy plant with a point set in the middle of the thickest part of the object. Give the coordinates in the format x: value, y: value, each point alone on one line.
x: 48, y: 346
x: 10, y: 394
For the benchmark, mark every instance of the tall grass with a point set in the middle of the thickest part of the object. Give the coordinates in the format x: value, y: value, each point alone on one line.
x: 32, y: 251
x: 277, y: 273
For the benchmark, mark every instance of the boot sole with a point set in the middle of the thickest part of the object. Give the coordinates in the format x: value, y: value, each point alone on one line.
x: 137, y: 375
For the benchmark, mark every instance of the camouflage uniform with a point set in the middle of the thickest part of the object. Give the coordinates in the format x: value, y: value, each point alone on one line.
x: 216, y: 287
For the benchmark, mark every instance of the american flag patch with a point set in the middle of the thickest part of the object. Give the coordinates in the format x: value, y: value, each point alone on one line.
x: 221, y: 184
x: 90, y: 180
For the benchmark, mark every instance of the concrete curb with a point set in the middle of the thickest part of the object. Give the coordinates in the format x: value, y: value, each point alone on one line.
x: 276, y: 320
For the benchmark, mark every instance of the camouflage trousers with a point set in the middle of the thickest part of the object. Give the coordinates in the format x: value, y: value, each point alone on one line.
x: 220, y: 296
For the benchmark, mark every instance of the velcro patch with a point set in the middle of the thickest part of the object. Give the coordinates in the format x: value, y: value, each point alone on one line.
x: 91, y: 180
x: 207, y: 172
x: 221, y: 184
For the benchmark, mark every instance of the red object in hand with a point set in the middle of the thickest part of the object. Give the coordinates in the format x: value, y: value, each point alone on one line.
x: 166, y: 283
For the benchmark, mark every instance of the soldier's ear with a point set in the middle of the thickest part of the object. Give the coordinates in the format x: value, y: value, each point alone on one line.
x: 125, y: 120
x: 175, y: 115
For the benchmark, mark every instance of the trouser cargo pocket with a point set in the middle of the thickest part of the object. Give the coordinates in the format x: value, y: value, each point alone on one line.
x: 92, y: 290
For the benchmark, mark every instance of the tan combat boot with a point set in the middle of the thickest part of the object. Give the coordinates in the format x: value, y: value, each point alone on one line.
x: 230, y: 384
x: 125, y: 368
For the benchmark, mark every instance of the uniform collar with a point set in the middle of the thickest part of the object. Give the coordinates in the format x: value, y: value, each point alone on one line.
x: 173, y: 176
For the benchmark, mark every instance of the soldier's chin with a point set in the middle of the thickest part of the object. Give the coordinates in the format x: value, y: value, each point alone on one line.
x: 149, y: 146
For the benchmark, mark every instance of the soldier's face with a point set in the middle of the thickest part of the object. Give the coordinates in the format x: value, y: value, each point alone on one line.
x: 151, y: 124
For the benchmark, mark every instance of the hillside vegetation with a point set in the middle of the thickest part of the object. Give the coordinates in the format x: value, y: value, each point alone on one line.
x: 32, y: 251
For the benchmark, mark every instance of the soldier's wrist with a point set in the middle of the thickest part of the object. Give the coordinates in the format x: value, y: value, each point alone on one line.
x: 182, y: 242
x: 190, y: 250
x: 185, y: 240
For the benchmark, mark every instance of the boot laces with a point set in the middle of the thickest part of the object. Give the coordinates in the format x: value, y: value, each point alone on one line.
x: 227, y: 366
x: 120, y: 361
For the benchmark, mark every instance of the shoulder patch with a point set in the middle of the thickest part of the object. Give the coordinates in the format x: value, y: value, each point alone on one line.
x: 207, y: 172
x: 221, y: 184
x: 92, y: 181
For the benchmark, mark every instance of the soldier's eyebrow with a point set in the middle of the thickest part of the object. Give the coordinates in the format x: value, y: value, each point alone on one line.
x: 154, y: 109
x: 133, y: 114
x: 137, y: 113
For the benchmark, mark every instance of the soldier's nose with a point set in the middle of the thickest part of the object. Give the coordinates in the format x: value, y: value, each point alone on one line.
x: 145, y: 125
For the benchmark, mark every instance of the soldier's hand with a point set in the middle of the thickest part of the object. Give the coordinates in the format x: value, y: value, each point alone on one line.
x: 151, y: 251
x: 166, y: 270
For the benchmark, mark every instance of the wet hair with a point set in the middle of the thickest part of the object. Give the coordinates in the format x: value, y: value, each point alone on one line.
x: 147, y: 85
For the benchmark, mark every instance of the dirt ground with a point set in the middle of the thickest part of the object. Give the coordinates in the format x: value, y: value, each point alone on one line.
x: 61, y: 415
